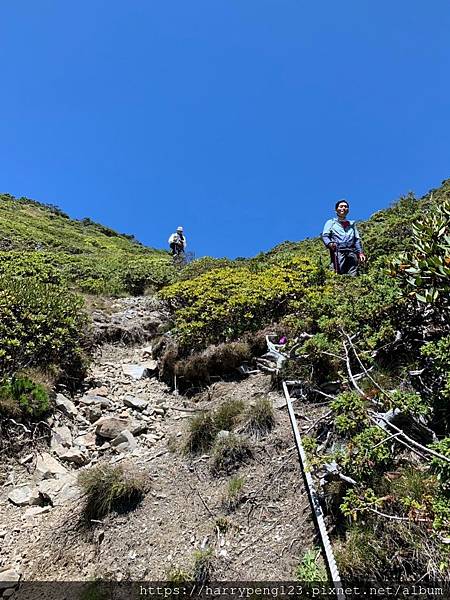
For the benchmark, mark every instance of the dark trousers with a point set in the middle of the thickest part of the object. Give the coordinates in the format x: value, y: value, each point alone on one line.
x: 176, y: 248
x: 344, y: 262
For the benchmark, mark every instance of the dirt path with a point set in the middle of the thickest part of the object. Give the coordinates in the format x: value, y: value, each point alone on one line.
x: 264, y: 537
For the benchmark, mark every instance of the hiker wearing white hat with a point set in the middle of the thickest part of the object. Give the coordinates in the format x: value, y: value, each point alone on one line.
x: 177, y: 242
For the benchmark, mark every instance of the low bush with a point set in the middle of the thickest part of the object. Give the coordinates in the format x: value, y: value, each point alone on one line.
x: 310, y: 570
x: 215, y: 361
x: 21, y: 398
x: 107, y: 488
x: 40, y: 325
x: 227, y: 415
x: 204, y: 427
x: 223, y: 304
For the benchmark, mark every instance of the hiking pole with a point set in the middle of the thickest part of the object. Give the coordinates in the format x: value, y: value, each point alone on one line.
x: 335, y: 261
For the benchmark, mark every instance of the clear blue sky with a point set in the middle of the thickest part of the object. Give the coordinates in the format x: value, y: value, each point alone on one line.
x: 243, y: 120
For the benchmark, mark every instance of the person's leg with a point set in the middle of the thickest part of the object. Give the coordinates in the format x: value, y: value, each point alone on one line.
x: 350, y: 264
x: 172, y: 248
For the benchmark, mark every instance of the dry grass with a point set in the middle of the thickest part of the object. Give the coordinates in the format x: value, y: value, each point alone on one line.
x: 260, y: 417
x: 229, y: 453
x: 107, y: 488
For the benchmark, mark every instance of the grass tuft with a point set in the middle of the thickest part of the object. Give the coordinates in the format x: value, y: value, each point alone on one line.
x: 109, y: 488
x: 260, y: 417
x: 229, y: 453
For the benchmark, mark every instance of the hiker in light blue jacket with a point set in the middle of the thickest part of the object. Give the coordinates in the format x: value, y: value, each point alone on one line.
x: 342, y: 238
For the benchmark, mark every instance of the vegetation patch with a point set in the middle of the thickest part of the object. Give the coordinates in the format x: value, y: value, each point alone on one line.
x: 203, y: 568
x: 310, y: 570
x: 107, y: 488
x: 260, y: 417
x: 21, y: 398
x: 229, y: 452
x: 234, y: 493
x: 40, y: 325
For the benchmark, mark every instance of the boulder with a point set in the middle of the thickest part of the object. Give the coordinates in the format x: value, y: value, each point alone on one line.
x: 66, y: 406
x: 75, y: 456
x: 110, y: 427
x: 61, y: 436
x: 90, y: 399
x: 24, y: 495
x: 94, y: 413
x: 60, y: 491
x: 135, y: 403
x: 135, y: 371
x: 87, y: 440
x: 48, y: 467
x: 124, y: 441
x: 99, y: 391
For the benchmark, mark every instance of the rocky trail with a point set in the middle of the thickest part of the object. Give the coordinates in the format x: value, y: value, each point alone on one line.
x: 125, y: 415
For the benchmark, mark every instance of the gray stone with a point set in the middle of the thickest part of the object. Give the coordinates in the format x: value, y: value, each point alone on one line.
x: 147, y: 351
x: 110, y: 427
x: 87, y: 440
x: 34, y: 511
x: 135, y: 403
x: 137, y: 427
x: 24, y: 495
x: 3, y: 533
x: 94, y: 413
x: 124, y: 441
x: 66, y: 406
x: 48, y: 467
x: 8, y: 578
x: 75, y: 456
x: 99, y: 391
x: 90, y: 399
x: 61, y: 436
x: 60, y: 491
x: 135, y: 371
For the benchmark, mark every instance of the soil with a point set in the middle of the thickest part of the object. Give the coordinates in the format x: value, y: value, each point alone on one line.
x: 263, y: 538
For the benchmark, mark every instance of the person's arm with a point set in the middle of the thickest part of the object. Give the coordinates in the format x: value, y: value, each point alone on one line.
x: 358, y: 245
x: 326, y: 233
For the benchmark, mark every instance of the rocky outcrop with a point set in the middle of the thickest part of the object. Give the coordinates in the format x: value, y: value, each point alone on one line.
x: 128, y: 320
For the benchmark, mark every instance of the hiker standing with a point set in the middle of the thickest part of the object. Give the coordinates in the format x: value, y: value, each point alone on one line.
x: 177, y: 242
x: 342, y: 238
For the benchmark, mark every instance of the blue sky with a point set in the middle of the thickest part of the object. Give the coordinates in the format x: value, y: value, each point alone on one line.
x: 243, y: 120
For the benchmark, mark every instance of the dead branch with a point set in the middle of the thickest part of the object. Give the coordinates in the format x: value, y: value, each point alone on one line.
x: 408, y: 439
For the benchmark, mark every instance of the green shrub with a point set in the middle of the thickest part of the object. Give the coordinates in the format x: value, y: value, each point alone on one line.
x: 351, y: 412
x: 425, y: 269
x: 439, y: 466
x: 21, y: 397
x: 367, y: 453
x: 309, y: 571
x: 40, y: 324
x: 222, y: 304
x: 107, y: 487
